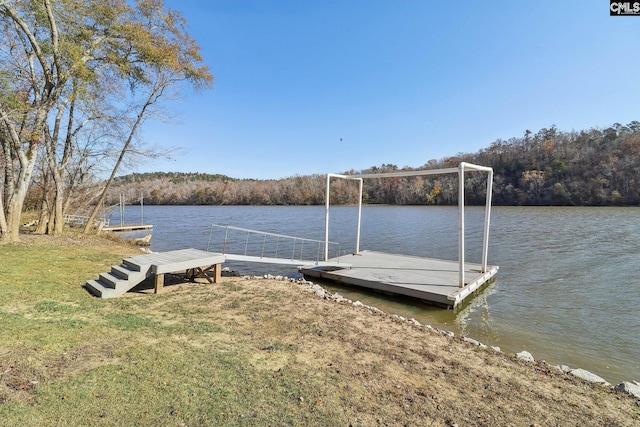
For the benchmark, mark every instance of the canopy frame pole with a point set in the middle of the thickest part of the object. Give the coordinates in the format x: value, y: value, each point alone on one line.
x: 326, y: 212
x: 487, y: 222
x: 461, y: 220
x: 461, y: 226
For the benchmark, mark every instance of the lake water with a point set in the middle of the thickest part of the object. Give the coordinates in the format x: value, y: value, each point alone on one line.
x: 567, y: 290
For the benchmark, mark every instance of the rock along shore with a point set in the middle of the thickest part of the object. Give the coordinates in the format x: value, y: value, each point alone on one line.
x: 630, y: 387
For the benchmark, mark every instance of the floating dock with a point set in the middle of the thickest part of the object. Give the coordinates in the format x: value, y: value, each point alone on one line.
x: 431, y: 280
x: 131, y: 227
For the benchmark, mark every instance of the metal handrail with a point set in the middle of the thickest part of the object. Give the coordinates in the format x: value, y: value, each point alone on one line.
x: 82, y: 220
x: 268, y: 246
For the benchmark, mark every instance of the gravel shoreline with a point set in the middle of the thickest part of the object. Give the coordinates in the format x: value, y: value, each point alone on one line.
x: 629, y: 387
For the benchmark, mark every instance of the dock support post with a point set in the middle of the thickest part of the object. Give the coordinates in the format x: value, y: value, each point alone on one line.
x: 461, y: 225
x: 487, y: 221
x: 326, y: 220
x: 159, y: 284
x: 359, y: 218
x: 217, y: 273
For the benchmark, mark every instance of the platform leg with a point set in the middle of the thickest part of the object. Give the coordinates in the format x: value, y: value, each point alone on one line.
x: 159, y: 284
x: 217, y: 273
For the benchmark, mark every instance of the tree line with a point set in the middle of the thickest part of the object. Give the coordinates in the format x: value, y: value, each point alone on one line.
x: 593, y: 167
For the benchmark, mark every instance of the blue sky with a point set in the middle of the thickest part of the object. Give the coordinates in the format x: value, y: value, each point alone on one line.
x: 304, y: 86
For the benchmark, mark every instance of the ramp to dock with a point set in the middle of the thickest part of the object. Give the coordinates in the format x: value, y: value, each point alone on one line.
x: 246, y: 245
x: 431, y: 280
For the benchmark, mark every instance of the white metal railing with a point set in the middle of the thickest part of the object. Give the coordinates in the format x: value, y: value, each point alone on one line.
x: 254, y: 245
x: 82, y: 220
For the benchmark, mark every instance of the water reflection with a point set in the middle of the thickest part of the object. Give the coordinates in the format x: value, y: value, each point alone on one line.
x: 476, y: 307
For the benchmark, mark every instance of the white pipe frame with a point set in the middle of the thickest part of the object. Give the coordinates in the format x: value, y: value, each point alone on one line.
x: 326, y: 214
x: 461, y: 226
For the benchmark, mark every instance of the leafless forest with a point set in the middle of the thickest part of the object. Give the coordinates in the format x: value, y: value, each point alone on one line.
x: 580, y: 168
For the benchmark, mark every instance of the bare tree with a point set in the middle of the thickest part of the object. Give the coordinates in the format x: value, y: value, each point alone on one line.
x: 161, y: 82
x: 59, y: 62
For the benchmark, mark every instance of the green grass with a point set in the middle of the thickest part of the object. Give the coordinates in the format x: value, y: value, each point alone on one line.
x: 153, y: 389
x: 232, y: 287
x: 74, y: 360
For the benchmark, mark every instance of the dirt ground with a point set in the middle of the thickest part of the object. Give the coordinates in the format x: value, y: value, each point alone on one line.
x: 386, y: 370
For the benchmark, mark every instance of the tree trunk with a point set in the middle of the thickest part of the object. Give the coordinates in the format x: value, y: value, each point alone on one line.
x: 43, y: 219
x: 103, y: 195
x: 16, y: 201
x: 155, y: 93
x: 4, y: 229
x: 58, y: 211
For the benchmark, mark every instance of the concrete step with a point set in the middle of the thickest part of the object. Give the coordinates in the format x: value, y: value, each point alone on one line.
x: 125, y: 273
x: 131, y: 265
x: 136, y: 263
x: 112, y: 281
x: 100, y: 290
x: 122, y: 271
x: 116, y: 282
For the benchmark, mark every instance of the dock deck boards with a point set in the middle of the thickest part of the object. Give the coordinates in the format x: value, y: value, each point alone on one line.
x: 131, y: 227
x: 183, y: 259
x: 431, y: 280
x: 135, y: 269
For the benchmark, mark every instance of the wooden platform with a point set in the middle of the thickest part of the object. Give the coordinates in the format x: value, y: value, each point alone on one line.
x: 121, y: 228
x: 431, y: 280
x: 135, y: 269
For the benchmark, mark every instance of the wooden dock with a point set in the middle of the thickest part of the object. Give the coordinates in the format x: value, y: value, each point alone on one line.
x: 135, y: 269
x: 431, y: 280
x: 130, y: 227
